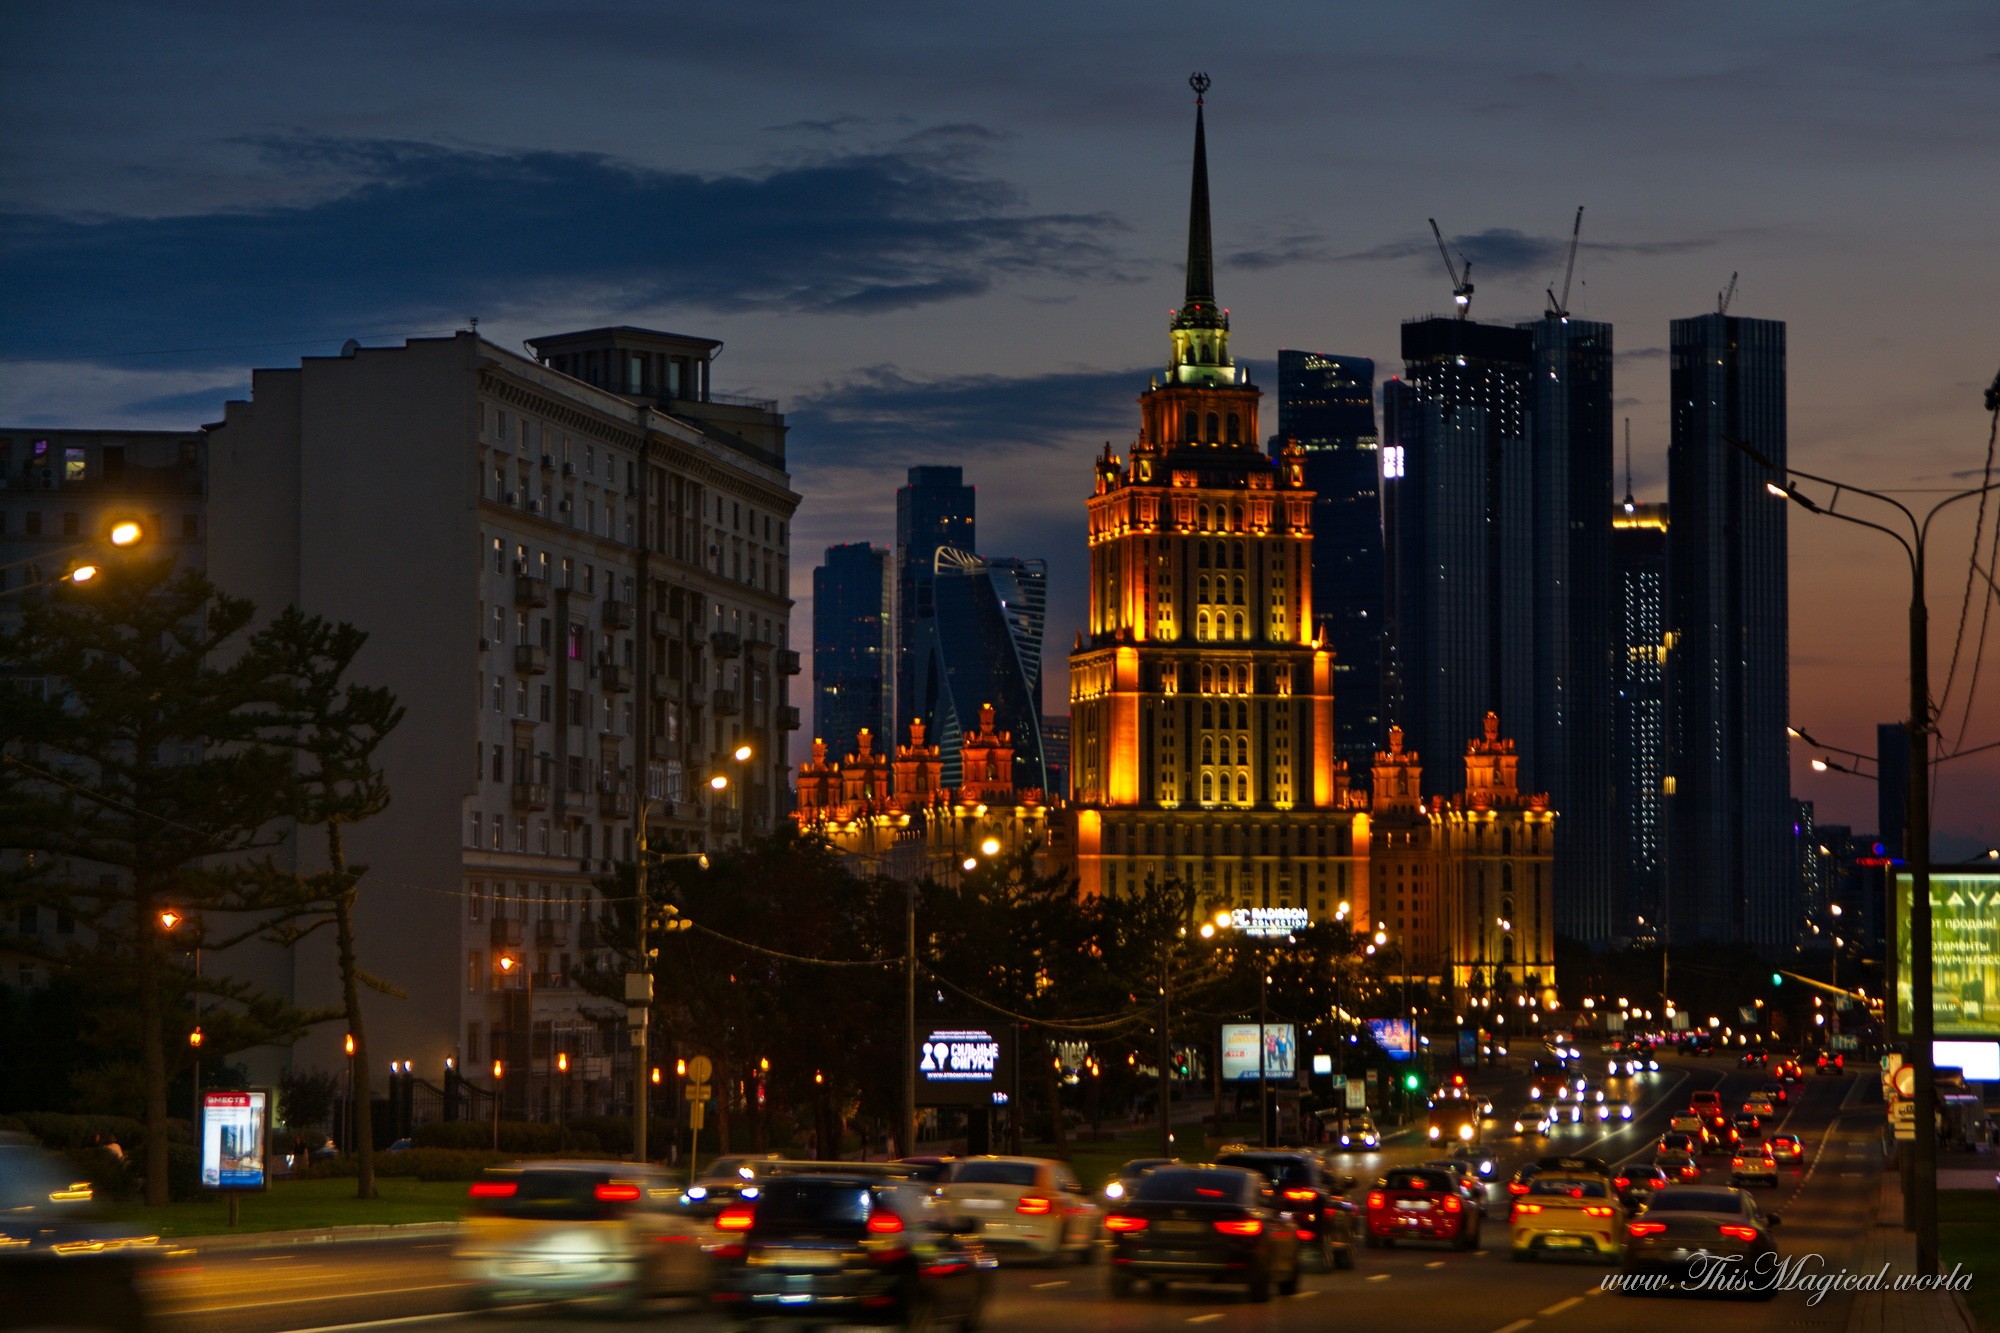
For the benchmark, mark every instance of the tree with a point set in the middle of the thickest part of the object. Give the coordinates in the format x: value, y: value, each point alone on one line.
x: 336, y: 728
x: 137, y: 770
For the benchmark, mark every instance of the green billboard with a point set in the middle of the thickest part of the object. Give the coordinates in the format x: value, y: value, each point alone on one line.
x: 1965, y: 953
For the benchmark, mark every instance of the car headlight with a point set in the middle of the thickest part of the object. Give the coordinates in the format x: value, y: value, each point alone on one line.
x: 1114, y: 1191
x: 1486, y: 1168
x: 1343, y: 1141
x: 1434, y: 1131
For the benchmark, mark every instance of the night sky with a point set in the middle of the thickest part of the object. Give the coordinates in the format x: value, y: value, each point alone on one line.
x: 953, y: 233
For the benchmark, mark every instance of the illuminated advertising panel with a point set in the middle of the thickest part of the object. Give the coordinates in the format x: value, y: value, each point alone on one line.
x: 1965, y: 953
x: 1239, y: 1052
x: 1397, y: 1036
x: 235, y: 1134
x: 961, y: 1067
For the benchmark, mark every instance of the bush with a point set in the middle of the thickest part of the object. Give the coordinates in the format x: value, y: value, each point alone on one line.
x: 60, y: 1131
x: 516, y: 1137
x: 611, y: 1133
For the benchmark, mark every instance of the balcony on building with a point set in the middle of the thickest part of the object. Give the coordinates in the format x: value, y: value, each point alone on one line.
x: 727, y: 703
x: 613, y: 678
x: 726, y: 643
x: 664, y: 686
x: 531, y: 796
x: 531, y: 590
x: 788, y: 661
x: 617, y: 614
x: 788, y: 717
x: 614, y: 800
x: 531, y: 659
x: 552, y: 932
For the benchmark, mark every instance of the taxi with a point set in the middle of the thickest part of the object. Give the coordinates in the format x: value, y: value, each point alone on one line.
x: 1788, y: 1148
x: 1566, y: 1214
x: 606, y: 1232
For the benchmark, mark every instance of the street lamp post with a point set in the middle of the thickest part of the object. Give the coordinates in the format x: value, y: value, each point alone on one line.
x: 1921, y: 1194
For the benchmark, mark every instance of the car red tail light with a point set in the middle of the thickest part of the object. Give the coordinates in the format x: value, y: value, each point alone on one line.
x: 1247, y: 1226
x: 1034, y: 1205
x: 1636, y: 1229
x: 1377, y: 1199
x: 1453, y: 1204
x: 1301, y: 1195
x: 884, y: 1224
x: 1735, y: 1232
x: 1305, y: 1234
x: 1597, y: 1210
x: 492, y: 1189
x: 736, y: 1217
x: 1527, y: 1208
x: 1120, y: 1222
x: 1690, y: 1171
x: 616, y: 1191
x: 1623, y: 1182
x: 1517, y: 1187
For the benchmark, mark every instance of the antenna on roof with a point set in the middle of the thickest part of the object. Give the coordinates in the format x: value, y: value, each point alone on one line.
x: 472, y: 323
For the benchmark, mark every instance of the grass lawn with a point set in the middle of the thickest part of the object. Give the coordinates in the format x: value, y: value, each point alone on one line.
x: 296, y: 1205
x: 1095, y: 1161
x: 1968, y: 1220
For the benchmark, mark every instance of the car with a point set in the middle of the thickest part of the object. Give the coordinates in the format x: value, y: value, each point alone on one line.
x: 1531, y: 1119
x: 1791, y: 1071
x: 1706, y: 1101
x: 1777, y: 1092
x: 1753, y: 1162
x: 605, y: 1232
x: 1560, y: 1212
x: 1679, y: 1166
x: 1752, y: 1059
x: 1675, y: 1141
x: 1690, y: 1123
x: 1758, y: 1104
x: 1205, y: 1223
x: 1314, y: 1201
x: 1830, y: 1063
x: 1481, y: 1160
x: 1637, y: 1182
x: 1748, y: 1128
x: 1422, y: 1203
x: 1468, y: 1177
x: 725, y: 1180
x: 926, y: 1170
x: 1122, y: 1180
x: 1788, y: 1148
x: 1355, y: 1132
x: 1026, y: 1203
x: 833, y: 1244
x: 402, y: 1145
x: 1617, y: 1108
x: 62, y: 1263
x: 1687, y: 1228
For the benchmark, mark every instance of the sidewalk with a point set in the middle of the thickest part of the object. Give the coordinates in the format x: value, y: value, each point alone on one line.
x: 1899, y: 1311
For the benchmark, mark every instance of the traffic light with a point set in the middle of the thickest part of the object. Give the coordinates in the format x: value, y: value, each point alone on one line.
x: 1777, y: 978
x: 1413, y: 1081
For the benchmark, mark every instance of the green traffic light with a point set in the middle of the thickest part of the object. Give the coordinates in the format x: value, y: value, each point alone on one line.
x: 1412, y: 1082
x: 1777, y: 978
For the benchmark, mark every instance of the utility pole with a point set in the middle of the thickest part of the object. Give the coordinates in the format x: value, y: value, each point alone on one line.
x: 1166, y: 1053
x: 909, y: 1131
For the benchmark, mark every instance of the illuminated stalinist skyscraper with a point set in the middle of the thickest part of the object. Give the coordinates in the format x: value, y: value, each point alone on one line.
x: 1202, y: 708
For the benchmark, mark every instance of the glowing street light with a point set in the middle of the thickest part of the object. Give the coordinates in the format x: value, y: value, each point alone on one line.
x: 990, y: 847
x: 126, y: 532
x: 719, y: 782
x: 743, y: 753
x: 169, y: 918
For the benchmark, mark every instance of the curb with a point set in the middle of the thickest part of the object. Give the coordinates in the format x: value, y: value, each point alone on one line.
x: 264, y: 1240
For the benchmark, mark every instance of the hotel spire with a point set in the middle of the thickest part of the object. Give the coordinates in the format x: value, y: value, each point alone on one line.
x: 1201, y: 246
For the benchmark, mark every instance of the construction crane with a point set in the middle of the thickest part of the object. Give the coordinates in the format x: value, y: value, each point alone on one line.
x: 1461, y: 279
x: 1560, y: 309
x: 1725, y: 296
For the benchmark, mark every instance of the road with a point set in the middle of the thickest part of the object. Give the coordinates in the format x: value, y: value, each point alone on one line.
x: 1826, y: 1204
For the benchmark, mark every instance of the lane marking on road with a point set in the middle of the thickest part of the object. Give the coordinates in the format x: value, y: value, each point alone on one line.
x: 1435, y: 1263
x: 1044, y: 1286
x: 1305, y: 1295
x: 1560, y: 1306
x: 1203, y: 1318
x: 1378, y: 1277
x: 320, y: 1299
x: 1514, y: 1327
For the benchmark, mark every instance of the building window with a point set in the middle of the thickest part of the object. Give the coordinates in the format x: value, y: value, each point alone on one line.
x: 473, y: 831
x: 475, y: 969
x: 475, y: 902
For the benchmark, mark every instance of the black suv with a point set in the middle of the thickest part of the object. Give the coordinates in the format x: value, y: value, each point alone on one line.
x: 852, y: 1248
x: 1325, y: 1219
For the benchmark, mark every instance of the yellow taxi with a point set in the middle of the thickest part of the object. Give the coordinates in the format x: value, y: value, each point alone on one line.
x: 1566, y: 1214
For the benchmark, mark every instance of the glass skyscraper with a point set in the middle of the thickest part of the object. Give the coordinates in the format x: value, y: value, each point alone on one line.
x: 1327, y: 405
x: 854, y: 646
x: 1639, y: 560
x: 933, y: 511
x: 1730, y: 872
x: 982, y: 644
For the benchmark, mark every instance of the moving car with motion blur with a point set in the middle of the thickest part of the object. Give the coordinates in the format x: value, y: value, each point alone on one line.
x: 1482, y: 1161
x: 1531, y: 1119
x: 1423, y: 1203
x: 608, y: 1233
x: 1685, y: 1225
x: 1203, y: 1223
x: 1753, y: 1163
x: 1636, y: 1182
x: 724, y: 1181
x: 62, y: 1265
x: 1830, y: 1062
x: 1121, y: 1182
x: 1758, y: 1104
x: 852, y: 1249
x: 1468, y: 1176
x: 1777, y: 1092
x: 1026, y: 1203
x: 1675, y: 1141
x: 1788, y: 1148
x: 1575, y: 1214
x: 1316, y: 1203
x: 1353, y: 1132
x: 1679, y: 1166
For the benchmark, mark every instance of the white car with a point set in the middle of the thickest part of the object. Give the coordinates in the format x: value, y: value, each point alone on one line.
x: 1531, y: 1119
x: 1025, y: 1203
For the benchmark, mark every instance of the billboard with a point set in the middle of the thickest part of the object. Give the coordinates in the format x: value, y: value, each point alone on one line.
x: 961, y: 1067
x: 235, y: 1134
x: 1976, y: 1061
x: 1965, y: 953
x: 1239, y: 1052
x: 1397, y: 1036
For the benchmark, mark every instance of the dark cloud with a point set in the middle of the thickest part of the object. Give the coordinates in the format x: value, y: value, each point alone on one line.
x: 1641, y: 354
x: 882, y: 415
x: 419, y: 232
x: 195, y: 405
x: 1497, y: 250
